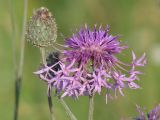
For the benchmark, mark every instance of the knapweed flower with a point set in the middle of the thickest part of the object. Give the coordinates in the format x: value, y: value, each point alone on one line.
x: 152, y: 115
x: 89, y: 64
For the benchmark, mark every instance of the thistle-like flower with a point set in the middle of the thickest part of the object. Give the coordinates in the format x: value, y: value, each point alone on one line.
x: 154, y: 114
x: 89, y: 64
x: 41, y: 28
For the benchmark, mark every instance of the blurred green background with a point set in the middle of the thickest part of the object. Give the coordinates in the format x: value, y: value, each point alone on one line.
x: 138, y: 21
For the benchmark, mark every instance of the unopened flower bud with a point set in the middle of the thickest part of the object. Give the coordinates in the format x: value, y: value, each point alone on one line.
x: 41, y: 28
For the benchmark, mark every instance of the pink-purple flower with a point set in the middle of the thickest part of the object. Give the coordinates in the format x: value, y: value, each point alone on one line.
x: 154, y: 114
x: 89, y: 64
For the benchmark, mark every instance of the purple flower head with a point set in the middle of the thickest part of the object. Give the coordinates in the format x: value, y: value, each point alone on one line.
x: 97, y: 45
x: 152, y: 115
x: 89, y: 64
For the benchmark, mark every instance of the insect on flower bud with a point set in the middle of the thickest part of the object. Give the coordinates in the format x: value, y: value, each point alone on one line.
x: 41, y: 28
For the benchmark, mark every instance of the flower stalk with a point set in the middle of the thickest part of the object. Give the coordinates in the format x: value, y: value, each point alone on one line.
x: 91, y: 107
x: 51, y: 108
x: 69, y: 112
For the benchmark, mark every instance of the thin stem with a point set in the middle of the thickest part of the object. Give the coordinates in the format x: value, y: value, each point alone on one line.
x: 42, y: 50
x: 51, y: 107
x: 91, y: 108
x: 17, y: 94
x: 69, y: 113
x: 50, y: 104
x: 19, y: 71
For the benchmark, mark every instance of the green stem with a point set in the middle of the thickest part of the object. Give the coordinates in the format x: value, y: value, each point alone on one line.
x: 69, y: 113
x: 42, y: 50
x: 17, y: 94
x: 51, y: 107
x: 19, y: 71
x: 91, y: 108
